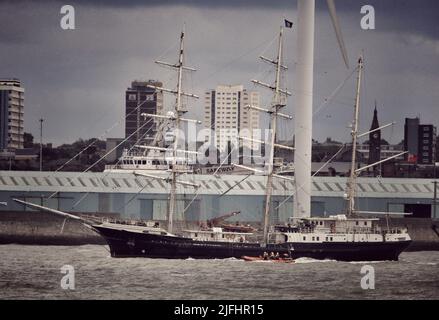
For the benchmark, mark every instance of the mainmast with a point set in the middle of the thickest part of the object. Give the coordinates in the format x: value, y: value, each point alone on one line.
x: 351, y: 186
x: 273, y: 126
x: 278, y: 102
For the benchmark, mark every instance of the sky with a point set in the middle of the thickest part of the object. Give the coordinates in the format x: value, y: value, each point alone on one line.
x: 76, y: 79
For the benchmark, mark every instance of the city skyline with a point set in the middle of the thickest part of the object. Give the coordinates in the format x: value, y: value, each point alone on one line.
x: 76, y: 79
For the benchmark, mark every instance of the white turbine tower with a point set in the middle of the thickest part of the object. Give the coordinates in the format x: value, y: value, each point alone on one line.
x: 303, y: 112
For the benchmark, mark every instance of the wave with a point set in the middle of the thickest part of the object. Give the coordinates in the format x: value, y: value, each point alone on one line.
x: 369, y: 262
x: 230, y: 259
x: 427, y: 263
x: 311, y: 260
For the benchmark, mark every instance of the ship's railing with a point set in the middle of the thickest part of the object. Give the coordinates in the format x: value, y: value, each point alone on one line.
x: 395, y: 230
x: 137, y: 166
x: 101, y: 219
x: 341, y: 230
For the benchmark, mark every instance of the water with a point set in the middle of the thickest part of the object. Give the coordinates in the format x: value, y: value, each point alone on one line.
x: 33, y: 272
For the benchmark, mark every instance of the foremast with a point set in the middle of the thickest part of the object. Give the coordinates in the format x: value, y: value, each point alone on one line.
x: 178, y: 113
x: 177, y: 119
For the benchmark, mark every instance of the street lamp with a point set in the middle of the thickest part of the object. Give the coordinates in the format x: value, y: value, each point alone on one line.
x: 436, y: 164
x: 41, y: 144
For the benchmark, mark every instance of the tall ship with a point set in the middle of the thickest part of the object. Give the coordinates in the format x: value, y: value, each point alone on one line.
x: 346, y: 236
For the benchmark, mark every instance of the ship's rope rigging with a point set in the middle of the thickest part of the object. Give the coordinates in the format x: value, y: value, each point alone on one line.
x: 265, y: 74
x: 105, y: 155
x: 323, y: 105
x: 316, y: 111
x: 187, y: 207
x: 320, y: 169
x: 117, y: 123
x: 268, y: 43
x: 108, y: 172
x: 103, y: 135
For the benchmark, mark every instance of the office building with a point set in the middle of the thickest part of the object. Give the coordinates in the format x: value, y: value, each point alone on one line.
x: 139, y: 98
x: 427, y: 144
x: 420, y: 142
x: 11, y: 114
x: 411, y: 130
x: 226, y: 114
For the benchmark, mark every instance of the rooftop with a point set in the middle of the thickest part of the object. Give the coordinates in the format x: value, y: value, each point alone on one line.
x: 104, y: 182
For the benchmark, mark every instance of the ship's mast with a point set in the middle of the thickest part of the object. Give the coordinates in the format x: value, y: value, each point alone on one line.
x: 351, y: 186
x: 178, y: 112
x: 273, y: 126
x: 277, y: 103
x: 177, y: 119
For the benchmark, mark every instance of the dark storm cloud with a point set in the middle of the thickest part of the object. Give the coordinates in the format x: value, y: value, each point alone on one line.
x: 417, y: 16
x: 76, y: 79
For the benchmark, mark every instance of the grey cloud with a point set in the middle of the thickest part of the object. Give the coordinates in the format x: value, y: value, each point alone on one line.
x: 76, y: 79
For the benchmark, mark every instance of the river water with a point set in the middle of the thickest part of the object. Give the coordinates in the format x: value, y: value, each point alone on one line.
x: 34, y: 272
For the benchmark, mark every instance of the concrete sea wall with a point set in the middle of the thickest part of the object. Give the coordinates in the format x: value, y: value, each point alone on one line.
x: 27, y: 227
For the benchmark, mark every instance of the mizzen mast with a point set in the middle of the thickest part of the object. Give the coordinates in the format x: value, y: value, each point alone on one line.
x: 352, y: 181
x: 354, y: 132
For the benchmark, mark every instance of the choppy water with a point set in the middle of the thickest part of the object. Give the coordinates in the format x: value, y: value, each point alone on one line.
x: 33, y: 272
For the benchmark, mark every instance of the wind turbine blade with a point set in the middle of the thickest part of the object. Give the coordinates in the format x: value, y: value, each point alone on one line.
x: 336, y: 24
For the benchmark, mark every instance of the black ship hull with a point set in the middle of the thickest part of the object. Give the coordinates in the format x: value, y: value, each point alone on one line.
x: 125, y: 244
